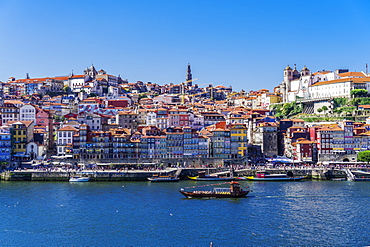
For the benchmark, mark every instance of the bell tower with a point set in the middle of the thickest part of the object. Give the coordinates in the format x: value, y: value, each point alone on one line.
x: 189, y: 76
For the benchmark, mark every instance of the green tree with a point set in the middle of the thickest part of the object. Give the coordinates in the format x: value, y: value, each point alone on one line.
x: 319, y: 110
x: 359, y: 92
x: 338, y: 102
x: 363, y: 156
x: 67, y: 89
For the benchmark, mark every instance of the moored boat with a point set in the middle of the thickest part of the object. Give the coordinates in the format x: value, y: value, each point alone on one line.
x: 234, y: 191
x: 265, y: 176
x: 361, y: 175
x: 163, y: 179
x: 203, y: 177
x: 79, y: 179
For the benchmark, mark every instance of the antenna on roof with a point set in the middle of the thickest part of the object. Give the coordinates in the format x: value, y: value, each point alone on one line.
x: 366, y: 69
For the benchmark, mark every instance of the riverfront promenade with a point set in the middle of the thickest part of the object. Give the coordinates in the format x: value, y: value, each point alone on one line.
x: 63, y: 174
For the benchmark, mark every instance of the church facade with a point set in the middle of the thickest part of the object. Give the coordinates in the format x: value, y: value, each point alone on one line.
x: 322, y: 85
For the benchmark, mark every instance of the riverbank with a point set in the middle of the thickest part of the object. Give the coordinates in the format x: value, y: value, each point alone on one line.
x: 50, y: 174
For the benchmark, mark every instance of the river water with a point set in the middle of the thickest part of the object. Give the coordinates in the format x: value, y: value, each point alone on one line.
x: 315, y: 213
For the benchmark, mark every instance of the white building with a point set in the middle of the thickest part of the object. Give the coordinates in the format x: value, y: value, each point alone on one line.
x: 64, y: 139
x: 151, y: 118
x: 77, y: 82
x: 27, y: 113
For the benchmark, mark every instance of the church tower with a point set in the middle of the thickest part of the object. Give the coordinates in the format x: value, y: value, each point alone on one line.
x: 305, y: 71
x: 189, y: 76
x: 288, y: 77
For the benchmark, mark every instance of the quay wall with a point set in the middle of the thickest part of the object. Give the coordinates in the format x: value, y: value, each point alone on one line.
x: 140, y: 175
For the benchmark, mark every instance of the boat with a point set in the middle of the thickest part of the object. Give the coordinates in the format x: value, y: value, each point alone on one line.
x: 361, y: 175
x: 234, y: 191
x: 203, y: 177
x: 339, y: 179
x: 166, y: 178
x: 265, y: 176
x: 79, y: 179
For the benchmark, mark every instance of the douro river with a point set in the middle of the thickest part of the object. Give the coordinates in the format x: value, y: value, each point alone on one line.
x: 314, y: 213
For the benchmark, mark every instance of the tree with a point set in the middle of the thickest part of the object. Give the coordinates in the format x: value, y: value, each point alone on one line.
x: 359, y: 92
x: 363, y: 156
x: 338, y: 102
x: 325, y: 109
x: 319, y: 110
x: 67, y: 89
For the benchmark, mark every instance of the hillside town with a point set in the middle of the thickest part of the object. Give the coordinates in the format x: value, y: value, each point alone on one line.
x: 95, y: 117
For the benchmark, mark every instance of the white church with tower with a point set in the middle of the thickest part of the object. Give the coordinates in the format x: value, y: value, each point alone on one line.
x: 322, y: 85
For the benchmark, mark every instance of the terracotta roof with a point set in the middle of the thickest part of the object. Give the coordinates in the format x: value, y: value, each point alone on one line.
x: 354, y: 80
x: 322, y: 72
x: 67, y: 128
x: 357, y: 74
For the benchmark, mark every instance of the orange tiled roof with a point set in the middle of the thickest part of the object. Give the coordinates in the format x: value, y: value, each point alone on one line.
x: 357, y: 74
x: 354, y: 80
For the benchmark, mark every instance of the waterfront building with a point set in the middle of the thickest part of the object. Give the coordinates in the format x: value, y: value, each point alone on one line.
x: 191, y: 142
x: 35, y: 150
x: 21, y: 134
x: 204, y: 143
x: 152, y: 147
x: 305, y: 150
x: 5, y: 146
x: 123, y: 146
x: 239, y: 140
x: 220, y: 141
x: 64, y: 138
x: 152, y: 143
x: 265, y: 135
x: 175, y: 142
x: 348, y: 128
x: 100, y: 146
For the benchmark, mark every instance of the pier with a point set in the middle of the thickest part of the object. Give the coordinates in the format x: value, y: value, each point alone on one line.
x: 319, y: 173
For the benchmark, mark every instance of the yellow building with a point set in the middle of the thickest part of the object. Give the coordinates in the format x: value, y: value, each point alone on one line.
x: 239, y: 141
x: 22, y: 133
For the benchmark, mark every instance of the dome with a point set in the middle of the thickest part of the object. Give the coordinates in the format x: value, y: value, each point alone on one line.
x: 288, y: 67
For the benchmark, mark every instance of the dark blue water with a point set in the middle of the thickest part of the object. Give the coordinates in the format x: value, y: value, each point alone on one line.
x: 304, y: 213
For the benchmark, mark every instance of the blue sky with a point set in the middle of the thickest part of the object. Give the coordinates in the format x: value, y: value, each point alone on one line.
x: 245, y: 44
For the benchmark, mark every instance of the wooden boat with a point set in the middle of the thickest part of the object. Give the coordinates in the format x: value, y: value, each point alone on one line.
x: 163, y: 179
x: 234, y: 191
x: 265, y: 176
x: 203, y: 177
x: 79, y: 179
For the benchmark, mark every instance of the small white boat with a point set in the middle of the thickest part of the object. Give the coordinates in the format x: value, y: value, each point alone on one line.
x: 163, y: 179
x: 79, y: 179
